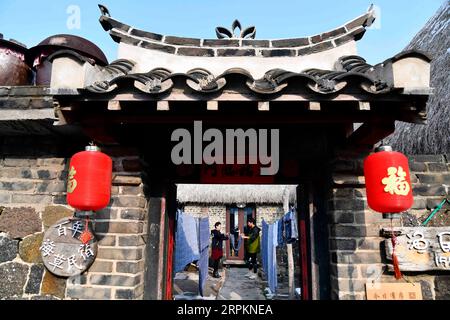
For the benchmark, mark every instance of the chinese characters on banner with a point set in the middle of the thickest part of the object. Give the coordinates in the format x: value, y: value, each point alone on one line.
x: 422, y: 248
x: 63, y: 251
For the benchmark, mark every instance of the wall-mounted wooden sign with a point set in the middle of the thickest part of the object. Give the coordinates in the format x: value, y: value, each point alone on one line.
x: 421, y: 248
x: 394, y: 291
x: 63, y: 251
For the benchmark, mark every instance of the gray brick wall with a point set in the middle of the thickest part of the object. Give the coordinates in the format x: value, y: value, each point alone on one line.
x: 32, y: 197
x: 356, y: 252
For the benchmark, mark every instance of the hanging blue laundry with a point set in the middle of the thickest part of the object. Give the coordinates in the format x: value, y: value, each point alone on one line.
x: 203, y: 231
x: 271, y: 258
x: 281, y: 237
x: 294, y: 226
x: 290, y: 227
x: 264, y: 245
x: 187, y: 241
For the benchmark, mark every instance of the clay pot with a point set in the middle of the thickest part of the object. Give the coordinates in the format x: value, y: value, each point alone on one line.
x: 14, y: 71
x: 37, y: 56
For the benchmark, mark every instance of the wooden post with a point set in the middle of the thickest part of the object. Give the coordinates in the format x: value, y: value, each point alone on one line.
x: 290, y: 253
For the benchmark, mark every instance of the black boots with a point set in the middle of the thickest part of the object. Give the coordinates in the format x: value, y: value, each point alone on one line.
x: 216, y: 274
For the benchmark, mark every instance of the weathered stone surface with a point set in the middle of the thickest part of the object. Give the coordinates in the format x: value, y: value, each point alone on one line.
x: 35, y: 279
x: 29, y: 248
x: 278, y: 53
x: 8, y: 249
x: 255, y: 43
x: 128, y: 201
x: 87, y: 293
x: 53, y: 286
x: 159, y: 47
x: 44, y: 298
x: 125, y: 294
x: 53, y: 214
x: 20, y: 222
x: 129, y: 267
x: 145, y: 34
x: 427, y: 294
x: 132, y: 214
x: 442, y: 287
x: 113, y: 280
x: 13, y: 277
x: 221, y: 43
x: 119, y: 254
x: 182, y: 41
x: 235, y: 52
x: 434, y: 178
x: 51, y: 187
x: 199, y: 52
x: 102, y: 266
x: 284, y: 43
x: 16, y: 186
x: 131, y: 241
x: 31, y: 198
x: 119, y: 227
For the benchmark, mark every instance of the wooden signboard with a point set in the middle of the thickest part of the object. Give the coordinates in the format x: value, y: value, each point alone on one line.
x: 421, y: 248
x: 394, y: 291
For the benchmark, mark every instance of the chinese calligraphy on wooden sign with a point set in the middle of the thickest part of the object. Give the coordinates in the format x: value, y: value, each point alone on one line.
x: 63, y: 251
x: 393, y: 291
x: 421, y: 248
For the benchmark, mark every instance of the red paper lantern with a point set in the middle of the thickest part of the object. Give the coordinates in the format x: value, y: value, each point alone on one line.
x: 89, y: 181
x: 388, y: 184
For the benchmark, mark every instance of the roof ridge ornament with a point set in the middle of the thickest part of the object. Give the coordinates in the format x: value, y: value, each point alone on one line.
x: 247, y: 33
x: 104, y: 10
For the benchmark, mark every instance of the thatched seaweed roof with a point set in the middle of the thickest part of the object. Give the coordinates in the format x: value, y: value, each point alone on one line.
x: 221, y: 194
x: 434, y: 137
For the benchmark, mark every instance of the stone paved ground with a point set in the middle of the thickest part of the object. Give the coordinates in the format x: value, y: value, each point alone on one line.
x: 186, y: 286
x: 238, y: 287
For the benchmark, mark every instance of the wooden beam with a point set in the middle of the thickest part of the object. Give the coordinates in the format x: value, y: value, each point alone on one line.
x: 162, y: 106
x: 114, y: 105
x: 364, y: 105
x: 264, y: 106
x: 314, y: 106
x: 212, y: 105
x: 371, y: 132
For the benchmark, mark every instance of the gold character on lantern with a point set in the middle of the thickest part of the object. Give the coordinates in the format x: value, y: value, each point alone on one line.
x: 396, y: 182
x: 72, y: 184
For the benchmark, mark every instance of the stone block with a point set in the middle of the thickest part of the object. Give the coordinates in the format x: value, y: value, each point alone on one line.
x: 125, y: 294
x: 89, y: 293
x: 8, y: 249
x: 133, y: 214
x: 35, y: 279
x: 29, y: 248
x: 17, y: 186
x: 119, y: 254
x: 346, y: 204
x: 101, y: 266
x: 442, y: 287
x: 429, y: 190
x: 13, y: 277
x: 53, y: 286
x: 128, y: 201
x: 198, y: 52
x: 112, y: 280
x: 53, y: 214
x: 51, y: 187
x: 129, y: 267
x: 343, y: 244
x: 119, y: 227
x: 20, y: 222
x: 107, y: 240
x: 131, y: 241
x: 31, y: 199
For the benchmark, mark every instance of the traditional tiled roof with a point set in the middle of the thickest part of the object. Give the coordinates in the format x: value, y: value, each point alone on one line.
x: 349, y: 71
x: 242, y: 44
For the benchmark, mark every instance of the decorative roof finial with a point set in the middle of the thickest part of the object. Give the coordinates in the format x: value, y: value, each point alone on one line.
x: 104, y: 10
x: 224, y: 33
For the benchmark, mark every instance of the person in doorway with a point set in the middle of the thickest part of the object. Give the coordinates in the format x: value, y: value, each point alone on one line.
x: 217, y: 247
x: 253, y: 246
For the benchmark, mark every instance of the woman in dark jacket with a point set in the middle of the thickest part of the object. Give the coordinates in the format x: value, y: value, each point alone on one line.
x: 217, y: 247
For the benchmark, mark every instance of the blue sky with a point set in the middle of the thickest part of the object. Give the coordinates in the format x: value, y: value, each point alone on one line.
x: 31, y: 21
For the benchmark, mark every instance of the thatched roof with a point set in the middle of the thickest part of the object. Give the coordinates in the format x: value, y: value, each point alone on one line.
x: 434, y: 137
x: 220, y: 194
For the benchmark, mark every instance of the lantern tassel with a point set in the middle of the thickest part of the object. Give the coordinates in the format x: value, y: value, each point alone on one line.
x: 397, y: 272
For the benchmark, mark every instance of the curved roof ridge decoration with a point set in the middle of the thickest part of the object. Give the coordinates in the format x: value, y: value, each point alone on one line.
x: 349, y: 71
x: 230, y: 44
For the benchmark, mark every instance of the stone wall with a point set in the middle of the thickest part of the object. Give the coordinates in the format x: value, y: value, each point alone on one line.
x: 32, y: 198
x: 357, y: 250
